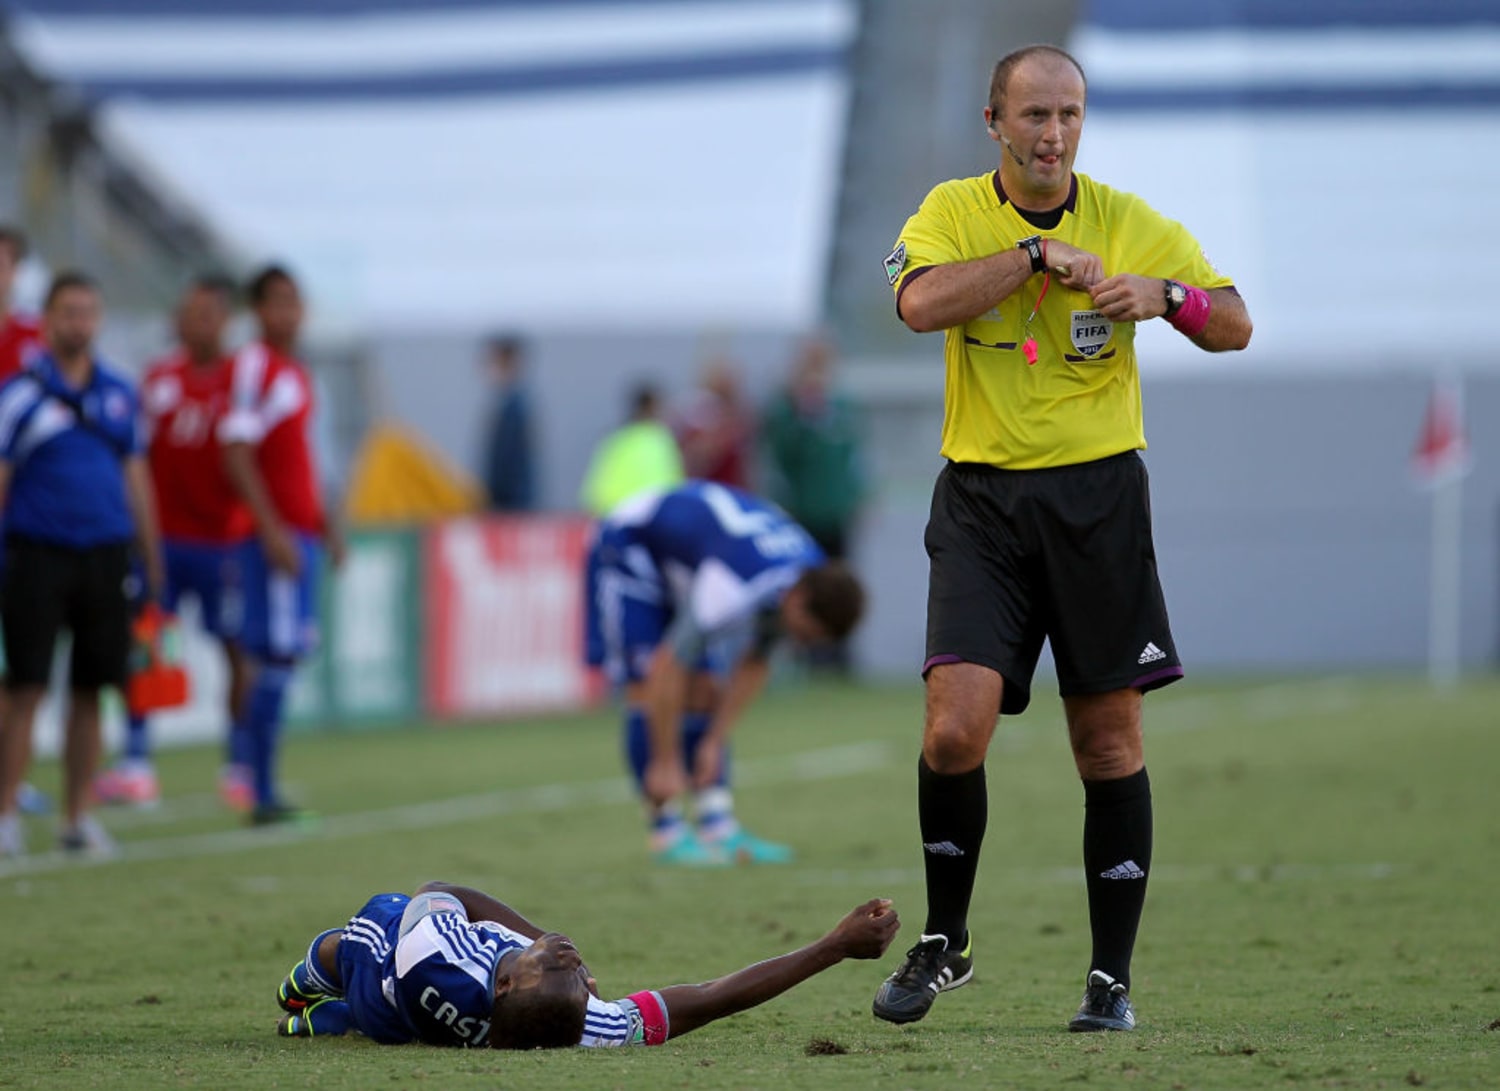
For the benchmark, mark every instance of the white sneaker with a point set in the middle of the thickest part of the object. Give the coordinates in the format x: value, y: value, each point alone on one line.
x: 12, y: 836
x: 88, y: 838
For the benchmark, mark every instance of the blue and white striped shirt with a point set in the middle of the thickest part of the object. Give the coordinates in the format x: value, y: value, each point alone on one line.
x: 445, y: 970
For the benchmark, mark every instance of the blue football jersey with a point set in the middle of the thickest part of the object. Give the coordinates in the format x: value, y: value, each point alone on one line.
x: 723, y: 554
x: 445, y: 967
x: 67, y: 448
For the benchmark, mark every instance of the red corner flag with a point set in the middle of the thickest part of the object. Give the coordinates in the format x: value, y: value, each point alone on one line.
x: 1442, y: 451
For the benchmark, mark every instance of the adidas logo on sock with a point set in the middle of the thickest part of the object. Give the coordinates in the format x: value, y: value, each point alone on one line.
x: 1151, y: 654
x: 1128, y: 870
x: 943, y: 848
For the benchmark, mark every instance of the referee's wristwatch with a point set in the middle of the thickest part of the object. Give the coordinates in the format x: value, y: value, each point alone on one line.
x: 1032, y: 244
x: 1176, y: 296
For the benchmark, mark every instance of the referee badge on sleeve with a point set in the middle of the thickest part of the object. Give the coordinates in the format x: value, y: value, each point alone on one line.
x: 895, y: 261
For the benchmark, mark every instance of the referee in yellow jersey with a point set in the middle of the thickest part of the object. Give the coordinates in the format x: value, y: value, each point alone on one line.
x: 1041, y: 523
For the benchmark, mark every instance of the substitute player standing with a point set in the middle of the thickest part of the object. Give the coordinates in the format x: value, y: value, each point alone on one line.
x: 269, y: 458
x: 203, y: 520
x: 1040, y: 526
x: 75, y: 493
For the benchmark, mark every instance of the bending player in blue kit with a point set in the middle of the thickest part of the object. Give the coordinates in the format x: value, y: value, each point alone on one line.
x: 452, y: 966
x: 688, y: 591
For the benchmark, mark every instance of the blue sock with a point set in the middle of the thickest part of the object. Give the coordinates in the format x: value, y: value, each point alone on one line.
x: 308, y: 974
x: 263, y: 716
x: 240, y: 749
x: 137, y: 739
x: 329, y: 1018
x: 637, y: 745
x: 665, y: 822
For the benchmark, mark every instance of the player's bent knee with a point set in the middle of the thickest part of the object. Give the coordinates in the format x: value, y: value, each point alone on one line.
x: 425, y: 904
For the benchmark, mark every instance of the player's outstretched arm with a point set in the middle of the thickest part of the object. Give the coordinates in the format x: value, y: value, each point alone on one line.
x: 865, y: 933
x: 481, y: 907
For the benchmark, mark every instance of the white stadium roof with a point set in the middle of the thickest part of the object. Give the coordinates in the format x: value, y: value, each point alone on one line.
x: 574, y: 163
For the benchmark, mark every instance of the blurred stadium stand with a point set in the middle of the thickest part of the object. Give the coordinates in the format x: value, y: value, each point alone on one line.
x: 84, y: 201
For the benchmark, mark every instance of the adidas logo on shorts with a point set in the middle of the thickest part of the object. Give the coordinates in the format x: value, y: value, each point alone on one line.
x: 1151, y: 654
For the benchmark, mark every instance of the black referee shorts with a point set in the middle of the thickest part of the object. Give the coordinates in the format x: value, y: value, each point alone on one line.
x: 49, y: 588
x: 1062, y: 554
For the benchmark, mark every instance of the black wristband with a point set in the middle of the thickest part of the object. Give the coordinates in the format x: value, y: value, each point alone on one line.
x: 1033, y: 247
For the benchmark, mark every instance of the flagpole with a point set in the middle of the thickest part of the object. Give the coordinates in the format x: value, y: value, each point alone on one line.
x: 1442, y: 461
x: 1445, y: 623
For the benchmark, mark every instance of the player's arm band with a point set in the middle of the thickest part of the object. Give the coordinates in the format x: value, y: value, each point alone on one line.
x: 1036, y: 249
x: 1191, y: 318
x: 653, y: 1011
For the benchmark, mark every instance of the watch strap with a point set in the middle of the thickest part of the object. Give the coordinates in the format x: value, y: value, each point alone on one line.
x: 1175, y: 300
x: 1032, y: 244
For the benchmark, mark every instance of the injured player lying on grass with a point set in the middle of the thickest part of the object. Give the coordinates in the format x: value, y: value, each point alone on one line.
x: 453, y: 966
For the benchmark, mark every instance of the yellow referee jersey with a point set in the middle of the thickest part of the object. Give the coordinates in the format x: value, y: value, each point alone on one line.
x: 1081, y: 400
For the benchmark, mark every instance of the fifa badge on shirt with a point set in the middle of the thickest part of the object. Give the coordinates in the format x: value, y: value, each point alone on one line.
x: 1091, y: 332
x: 895, y: 261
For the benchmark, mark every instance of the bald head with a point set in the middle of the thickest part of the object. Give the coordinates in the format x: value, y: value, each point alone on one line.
x: 1040, y: 61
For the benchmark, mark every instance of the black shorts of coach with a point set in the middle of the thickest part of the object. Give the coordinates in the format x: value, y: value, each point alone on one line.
x: 1062, y: 554
x: 49, y: 588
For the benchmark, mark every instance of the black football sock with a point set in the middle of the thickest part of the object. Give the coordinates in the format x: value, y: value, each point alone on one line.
x: 1116, y: 860
x: 952, y: 811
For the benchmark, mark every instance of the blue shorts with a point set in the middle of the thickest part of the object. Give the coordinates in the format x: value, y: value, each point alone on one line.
x: 277, y: 613
x: 367, y: 969
x: 205, y: 572
x: 627, y: 610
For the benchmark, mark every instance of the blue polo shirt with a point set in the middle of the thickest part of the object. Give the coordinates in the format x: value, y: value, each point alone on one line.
x: 66, y: 448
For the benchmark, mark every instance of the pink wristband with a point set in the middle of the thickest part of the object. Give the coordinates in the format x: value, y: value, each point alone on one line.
x: 1192, y: 317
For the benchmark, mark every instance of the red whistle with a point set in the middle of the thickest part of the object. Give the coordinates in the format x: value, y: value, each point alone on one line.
x: 1029, y: 350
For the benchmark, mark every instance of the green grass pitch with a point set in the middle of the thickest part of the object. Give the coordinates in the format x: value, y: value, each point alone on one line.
x: 1323, y: 909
